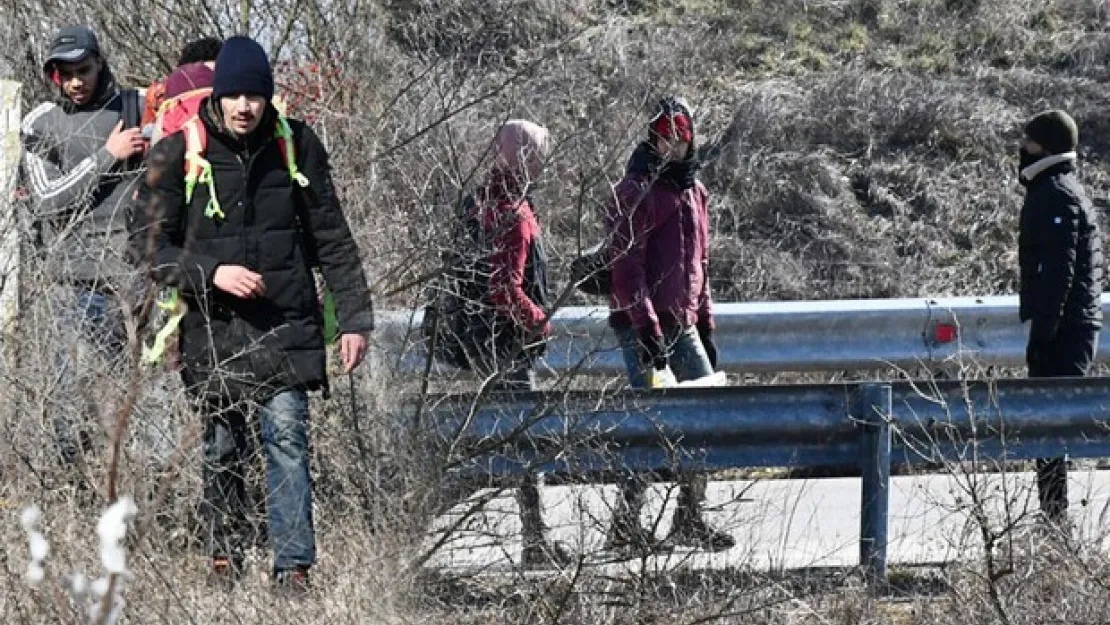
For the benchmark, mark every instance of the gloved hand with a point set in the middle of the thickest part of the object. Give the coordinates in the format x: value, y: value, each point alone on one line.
x: 705, y: 333
x: 543, y: 331
x: 1043, y: 331
x: 1032, y: 353
x: 652, y: 351
x: 1036, y: 352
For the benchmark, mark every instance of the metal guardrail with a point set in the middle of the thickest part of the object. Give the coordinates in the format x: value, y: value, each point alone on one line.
x: 786, y: 336
x: 872, y: 424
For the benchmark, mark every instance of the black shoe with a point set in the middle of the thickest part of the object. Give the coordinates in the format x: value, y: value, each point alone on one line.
x: 693, y: 531
x: 545, y: 554
x: 292, y: 582
x: 625, y: 537
x: 1059, y: 530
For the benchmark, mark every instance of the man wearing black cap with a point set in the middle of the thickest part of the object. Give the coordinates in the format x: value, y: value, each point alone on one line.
x: 1060, y: 257
x: 252, y: 341
x: 78, y: 164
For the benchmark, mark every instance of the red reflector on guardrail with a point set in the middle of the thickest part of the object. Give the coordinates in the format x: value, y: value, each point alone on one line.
x: 945, y: 333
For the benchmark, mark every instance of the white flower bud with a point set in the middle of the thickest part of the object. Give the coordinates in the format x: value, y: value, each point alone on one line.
x: 112, y: 529
x: 30, y: 517
x: 99, y: 587
x: 35, y: 573
x: 79, y: 584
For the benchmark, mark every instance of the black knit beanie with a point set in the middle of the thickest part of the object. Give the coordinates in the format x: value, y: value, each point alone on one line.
x: 242, y: 68
x: 1054, y: 130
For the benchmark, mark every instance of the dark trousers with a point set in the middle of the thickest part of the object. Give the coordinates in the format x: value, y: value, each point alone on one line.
x: 91, y: 342
x: 1069, y: 354
x: 521, y: 377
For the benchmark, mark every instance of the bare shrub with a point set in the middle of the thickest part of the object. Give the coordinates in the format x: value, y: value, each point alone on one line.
x: 856, y: 149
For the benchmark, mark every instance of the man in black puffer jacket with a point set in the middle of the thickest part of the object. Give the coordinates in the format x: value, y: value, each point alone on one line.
x: 253, y: 331
x: 1060, y: 253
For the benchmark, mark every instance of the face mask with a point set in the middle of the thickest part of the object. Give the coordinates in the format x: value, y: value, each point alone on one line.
x: 1025, y: 159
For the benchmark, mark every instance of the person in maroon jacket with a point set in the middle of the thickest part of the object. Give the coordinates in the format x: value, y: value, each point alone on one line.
x: 660, y: 304
x: 517, y: 262
x: 517, y: 278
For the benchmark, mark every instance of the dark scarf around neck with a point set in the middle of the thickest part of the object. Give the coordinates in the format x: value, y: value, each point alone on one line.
x: 680, y: 175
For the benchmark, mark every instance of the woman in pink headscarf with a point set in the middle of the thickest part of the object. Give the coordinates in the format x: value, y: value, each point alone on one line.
x: 518, y: 297
x: 518, y: 278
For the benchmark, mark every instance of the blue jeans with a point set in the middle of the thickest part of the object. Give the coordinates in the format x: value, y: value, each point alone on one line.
x: 688, y: 361
x: 686, y: 356
x: 228, y: 451
x: 91, y: 341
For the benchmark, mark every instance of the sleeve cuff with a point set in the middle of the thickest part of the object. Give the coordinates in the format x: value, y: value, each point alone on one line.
x: 205, y: 273
x: 104, y: 160
x: 360, y: 323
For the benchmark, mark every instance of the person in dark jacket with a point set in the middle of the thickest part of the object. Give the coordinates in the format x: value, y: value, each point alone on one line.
x: 1060, y: 258
x: 79, y: 166
x: 517, y: 269
x: 660, y: 303
x: 253, y: 332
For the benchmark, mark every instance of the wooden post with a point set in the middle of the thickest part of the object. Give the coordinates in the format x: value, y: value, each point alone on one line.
x: 10, y: 231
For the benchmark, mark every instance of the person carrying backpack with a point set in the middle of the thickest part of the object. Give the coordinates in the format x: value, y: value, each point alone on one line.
x: 80, y: 163
x: 660, y: 303
x: 230, y: 212
x: 185, y: 88
x: 193, y: 70
x: 487, y: 313
x: 511, y: 338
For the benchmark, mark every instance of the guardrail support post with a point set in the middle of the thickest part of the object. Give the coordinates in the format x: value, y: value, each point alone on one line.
x: 874, y: 412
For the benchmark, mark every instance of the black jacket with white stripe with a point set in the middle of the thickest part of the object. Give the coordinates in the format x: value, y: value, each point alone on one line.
x: 79, y: 192
x: 1059, y: 251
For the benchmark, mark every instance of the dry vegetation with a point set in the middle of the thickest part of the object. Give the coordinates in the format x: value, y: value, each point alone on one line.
x: 855, y: 148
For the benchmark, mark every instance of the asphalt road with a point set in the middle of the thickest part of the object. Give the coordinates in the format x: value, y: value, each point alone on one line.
x: 788, y: 524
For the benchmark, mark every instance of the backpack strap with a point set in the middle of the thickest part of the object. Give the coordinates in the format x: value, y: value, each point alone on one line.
x: 131, y: 108
x: 131, y: 114
x: 199, y: 171
x: 197, y: 168
x: 284, y: 135
x: 171, y: 303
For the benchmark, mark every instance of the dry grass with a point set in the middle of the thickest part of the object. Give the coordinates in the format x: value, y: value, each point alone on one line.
x: 860, y: 148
